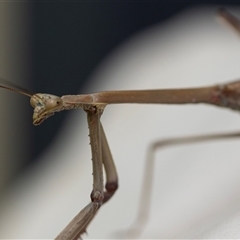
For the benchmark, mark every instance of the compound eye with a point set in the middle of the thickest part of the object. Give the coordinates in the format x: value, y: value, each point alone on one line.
x: 34, y: 101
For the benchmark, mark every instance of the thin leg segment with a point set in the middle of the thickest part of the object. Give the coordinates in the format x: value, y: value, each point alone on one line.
x: 79, y: 223
x: 230, y: 19
x: 145, y: 198
x: 109, y: 166
x: 96, y: 148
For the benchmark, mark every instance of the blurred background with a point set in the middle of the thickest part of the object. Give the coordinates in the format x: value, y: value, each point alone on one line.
x: 69, y: 48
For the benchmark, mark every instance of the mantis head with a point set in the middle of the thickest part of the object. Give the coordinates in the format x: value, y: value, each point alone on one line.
x: 45, y: 105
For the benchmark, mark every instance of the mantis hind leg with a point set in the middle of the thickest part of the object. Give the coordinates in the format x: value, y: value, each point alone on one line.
x: 145, y: 198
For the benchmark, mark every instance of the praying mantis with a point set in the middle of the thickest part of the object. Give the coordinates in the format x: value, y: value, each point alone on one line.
x: 46, y: 105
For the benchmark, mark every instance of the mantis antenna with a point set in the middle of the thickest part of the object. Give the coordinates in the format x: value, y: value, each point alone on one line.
x: 14, y: 88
